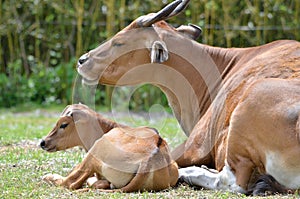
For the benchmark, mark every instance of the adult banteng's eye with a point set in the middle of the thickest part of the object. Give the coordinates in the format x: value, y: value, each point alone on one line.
x: 117, y: 44
x: 62, y: 126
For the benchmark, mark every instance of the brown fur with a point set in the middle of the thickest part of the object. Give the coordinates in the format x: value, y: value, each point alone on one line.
x: 208, y: 114
x: 129, y: 159
x: 132, y: 167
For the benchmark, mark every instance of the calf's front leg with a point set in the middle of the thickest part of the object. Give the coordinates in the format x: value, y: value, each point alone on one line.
x: 77, y: 177
x: 53, y: 179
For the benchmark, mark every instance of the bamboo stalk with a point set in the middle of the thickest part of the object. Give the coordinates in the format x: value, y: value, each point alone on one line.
x: 212, y: 23
x: 266, y: 5
x: 37, y: 40
x: 257, y: 21
x: 63, y: 31
x: 136, y: 9
x: 122, y: 13
x: 24, y: 56
x: 89, y: 32
x: 206, y: 19
x: 110, y: 19
x: 1, y: 11
x: 79, y: 5
x: 10, y: 42
x: 19, y: 39
x: 297, y: 20
x: 226, y: 11
x: 2, y: 66
x: 194, y: 12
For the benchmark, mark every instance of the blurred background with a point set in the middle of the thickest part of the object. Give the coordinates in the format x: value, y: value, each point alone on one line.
x: 41, y: 40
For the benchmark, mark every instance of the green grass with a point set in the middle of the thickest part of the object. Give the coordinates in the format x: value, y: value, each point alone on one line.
x: 23, y: 163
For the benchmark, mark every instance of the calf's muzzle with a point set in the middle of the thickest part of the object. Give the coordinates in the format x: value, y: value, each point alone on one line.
x: 42, y: 144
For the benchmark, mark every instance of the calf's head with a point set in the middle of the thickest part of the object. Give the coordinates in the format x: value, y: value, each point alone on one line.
x: 62, y: 136
x: 77, y: 126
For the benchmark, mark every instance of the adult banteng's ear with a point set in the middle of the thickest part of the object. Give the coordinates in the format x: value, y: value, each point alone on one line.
x: 159, y: 52
x: 192, y: 31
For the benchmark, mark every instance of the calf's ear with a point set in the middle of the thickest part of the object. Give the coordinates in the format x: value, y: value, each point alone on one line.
x: 159, y: 52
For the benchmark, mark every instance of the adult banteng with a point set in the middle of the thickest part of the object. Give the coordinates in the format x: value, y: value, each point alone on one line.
x: 217, y: 95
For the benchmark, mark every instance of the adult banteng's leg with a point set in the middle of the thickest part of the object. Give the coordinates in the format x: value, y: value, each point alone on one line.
x: 210, y: 179
x: 196, y: 150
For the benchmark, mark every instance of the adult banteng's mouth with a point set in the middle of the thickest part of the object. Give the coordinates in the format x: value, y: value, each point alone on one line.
x: 90, y: 82
x: 87, y: 80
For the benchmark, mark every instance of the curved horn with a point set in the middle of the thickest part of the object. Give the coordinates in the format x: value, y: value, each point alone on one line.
x: 179, y: 8
x: 170, y: 10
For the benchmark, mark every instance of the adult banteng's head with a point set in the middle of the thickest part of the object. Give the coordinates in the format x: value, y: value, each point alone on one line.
x: 141, y: 42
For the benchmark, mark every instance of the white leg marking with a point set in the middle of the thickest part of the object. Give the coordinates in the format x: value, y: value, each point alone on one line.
x: 224, y: 180
x: 198, y: 176
x: 90, y: 181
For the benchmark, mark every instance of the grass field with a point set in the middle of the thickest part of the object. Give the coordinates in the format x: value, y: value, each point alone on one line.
x: 23, y: 163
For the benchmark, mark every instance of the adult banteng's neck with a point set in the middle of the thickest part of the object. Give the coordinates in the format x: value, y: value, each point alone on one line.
x: 192, y: 77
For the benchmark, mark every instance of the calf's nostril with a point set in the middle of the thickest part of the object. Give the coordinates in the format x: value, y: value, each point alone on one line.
x: 83, y: 59
x: 42, y: 144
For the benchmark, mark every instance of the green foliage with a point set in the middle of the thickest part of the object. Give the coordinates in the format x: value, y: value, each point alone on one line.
x: 44, y: 86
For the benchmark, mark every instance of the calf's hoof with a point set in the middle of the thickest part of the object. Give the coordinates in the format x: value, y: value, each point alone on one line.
x: 53, y: 179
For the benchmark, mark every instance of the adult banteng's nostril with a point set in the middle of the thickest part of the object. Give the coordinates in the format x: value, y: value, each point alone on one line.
x: 42, y: 144
x: 83, y: 59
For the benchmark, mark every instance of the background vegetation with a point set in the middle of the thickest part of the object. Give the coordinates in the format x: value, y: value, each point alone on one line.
x: 40, y: 40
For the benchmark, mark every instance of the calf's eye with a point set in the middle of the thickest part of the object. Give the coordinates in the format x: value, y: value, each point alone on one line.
x: 62, y: 126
